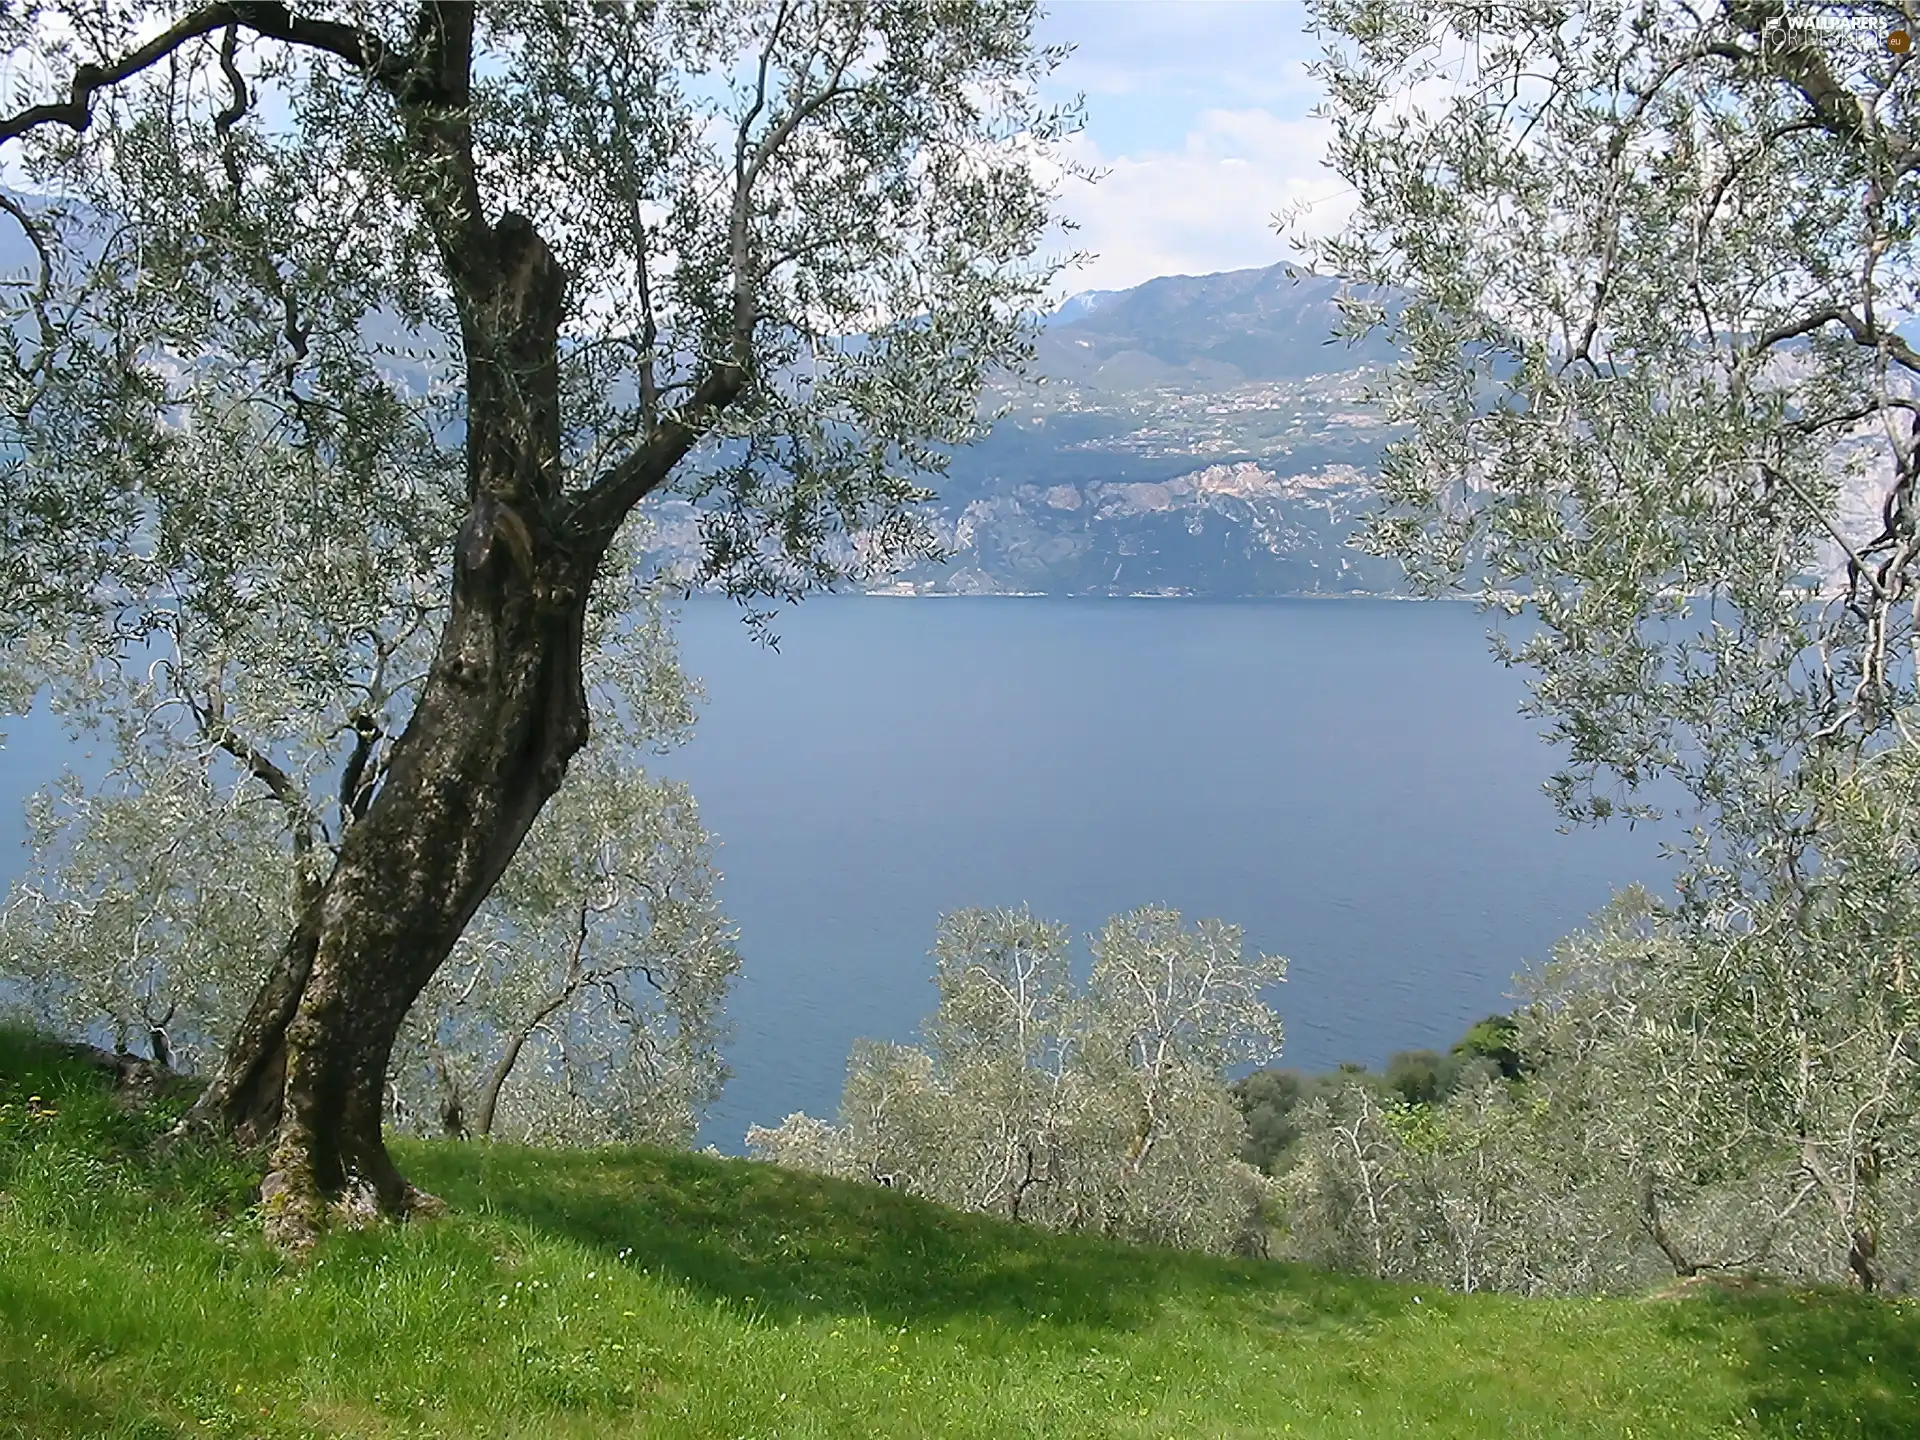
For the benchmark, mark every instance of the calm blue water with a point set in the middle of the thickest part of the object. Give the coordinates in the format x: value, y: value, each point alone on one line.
x: 1348, y: 780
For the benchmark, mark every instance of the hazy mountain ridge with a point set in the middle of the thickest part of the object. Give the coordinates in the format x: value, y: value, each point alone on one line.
x: 1196, y: 435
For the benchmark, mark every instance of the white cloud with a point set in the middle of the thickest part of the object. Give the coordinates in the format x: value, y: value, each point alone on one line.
x: 1233, y: 51
x: 1208, y: 205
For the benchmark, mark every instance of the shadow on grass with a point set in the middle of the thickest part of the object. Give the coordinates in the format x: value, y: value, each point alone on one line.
x: 1816, y: 1362
x: 42, y: 1387
x: 787, y: 1244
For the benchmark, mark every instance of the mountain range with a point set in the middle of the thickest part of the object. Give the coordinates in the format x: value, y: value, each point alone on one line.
x: 1195, y: 435
x: 1207, y: 435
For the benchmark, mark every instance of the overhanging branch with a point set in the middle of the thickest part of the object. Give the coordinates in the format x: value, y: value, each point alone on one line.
x: 366, y: 52
x: 76, y: 111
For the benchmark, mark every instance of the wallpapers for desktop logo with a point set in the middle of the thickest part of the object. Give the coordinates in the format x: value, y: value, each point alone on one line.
x: 1870, y: 32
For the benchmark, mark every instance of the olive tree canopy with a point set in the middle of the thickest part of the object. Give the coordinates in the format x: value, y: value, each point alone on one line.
x: 1648, y: 263
x: 1104, y: 1108
x: 1651, y: 260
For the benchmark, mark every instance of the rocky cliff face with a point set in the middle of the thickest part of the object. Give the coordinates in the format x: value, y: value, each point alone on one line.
x: 1235, y: 529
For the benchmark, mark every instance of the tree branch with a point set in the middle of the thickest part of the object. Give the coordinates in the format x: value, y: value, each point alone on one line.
x: 1865, y: 334
x: 278, y: 783
x: 1838, y: 110
x: 356, y: 783
x: 1780, y: 477
x: 43, y: 284
x: 516, y: 1041
x: 76, y: 111
x: 596, y: 513
x: 431, y: 72
x: 363, y: 50
x: 649, y: 327
x: 229, y: 66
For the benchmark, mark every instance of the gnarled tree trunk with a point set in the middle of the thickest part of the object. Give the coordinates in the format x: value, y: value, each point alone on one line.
x: 501, y: 712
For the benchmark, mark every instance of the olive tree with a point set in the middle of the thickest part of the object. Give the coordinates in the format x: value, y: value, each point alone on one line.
x: 146, y: 909
x: 584, y: 1002
x: 1740, y: 1103
x: 1742, y: 1098
x: 1646, y: 263
x: 491, y: 277
x: 1104, y: 1109
x: 1756, y: 1091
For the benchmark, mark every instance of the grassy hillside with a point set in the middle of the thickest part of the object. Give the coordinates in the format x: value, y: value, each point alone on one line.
x: 638, y: 1293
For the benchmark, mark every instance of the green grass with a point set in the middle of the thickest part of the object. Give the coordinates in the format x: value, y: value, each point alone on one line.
x: 640, y: 1293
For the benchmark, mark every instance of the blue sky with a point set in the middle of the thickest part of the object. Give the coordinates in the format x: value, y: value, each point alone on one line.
x: 1198, y: 110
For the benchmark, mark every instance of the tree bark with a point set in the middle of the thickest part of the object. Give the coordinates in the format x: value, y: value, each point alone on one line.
x: 502, y: 711
x: 1863, y: 1259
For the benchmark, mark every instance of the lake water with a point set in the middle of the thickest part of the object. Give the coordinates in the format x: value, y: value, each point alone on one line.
x: 1348, y: 780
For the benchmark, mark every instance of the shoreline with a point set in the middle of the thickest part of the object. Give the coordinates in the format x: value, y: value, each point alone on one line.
x: 1327, y: 596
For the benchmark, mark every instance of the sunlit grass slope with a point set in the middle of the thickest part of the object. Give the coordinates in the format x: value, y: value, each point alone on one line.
x: 638, y: 1293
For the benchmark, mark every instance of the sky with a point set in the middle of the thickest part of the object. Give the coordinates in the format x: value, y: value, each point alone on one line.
x: 1198, y: 112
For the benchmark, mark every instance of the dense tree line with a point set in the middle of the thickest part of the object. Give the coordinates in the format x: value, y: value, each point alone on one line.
x: 1101, y: 1108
